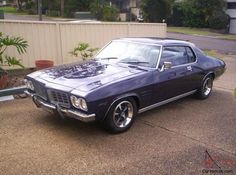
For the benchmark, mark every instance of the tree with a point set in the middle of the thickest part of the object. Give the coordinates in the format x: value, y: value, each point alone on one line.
x: 104, y: 11
x: 219, y: 20
x: 19, y: 4
x: 195, y: 13
x: 156, y: 10
x: 208, y: 7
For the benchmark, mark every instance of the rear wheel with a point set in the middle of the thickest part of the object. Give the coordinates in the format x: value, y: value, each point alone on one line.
x: 205, y: 90
x: 121, y: 115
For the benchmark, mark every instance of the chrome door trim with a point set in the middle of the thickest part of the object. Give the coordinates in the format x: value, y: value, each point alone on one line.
x: 159, y: 57
x: 166, y: 101
x: 186, y: 64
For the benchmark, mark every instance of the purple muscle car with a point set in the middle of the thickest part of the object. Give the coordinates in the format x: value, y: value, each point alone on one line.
x: 127, y: 77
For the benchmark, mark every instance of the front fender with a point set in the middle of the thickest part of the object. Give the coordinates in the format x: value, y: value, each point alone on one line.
x: 139, y: 87
x: 132, y: 95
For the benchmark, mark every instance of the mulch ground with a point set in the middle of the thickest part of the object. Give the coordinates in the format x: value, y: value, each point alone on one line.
x: 16, y: 79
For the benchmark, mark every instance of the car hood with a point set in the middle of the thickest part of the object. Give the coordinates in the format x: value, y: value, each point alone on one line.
x: 87, y: 76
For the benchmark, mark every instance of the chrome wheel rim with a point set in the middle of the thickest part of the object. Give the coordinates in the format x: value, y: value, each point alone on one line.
x: 123, y: 114
x: 207, y: 86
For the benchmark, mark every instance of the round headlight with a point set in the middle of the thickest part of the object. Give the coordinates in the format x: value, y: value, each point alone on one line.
x: 75, y: 101
x: 83, y: 104
x: 79, y: 103
x: 29, y: 84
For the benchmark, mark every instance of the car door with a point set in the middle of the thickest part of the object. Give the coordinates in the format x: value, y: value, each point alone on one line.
x: 176, y: 80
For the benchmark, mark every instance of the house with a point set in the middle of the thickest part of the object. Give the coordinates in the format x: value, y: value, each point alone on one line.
x: 3, y: 2
x: 231, y: 11
x: 129, y: 9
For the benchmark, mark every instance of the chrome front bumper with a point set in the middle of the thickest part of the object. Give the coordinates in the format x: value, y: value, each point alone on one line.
x: 60, y: 110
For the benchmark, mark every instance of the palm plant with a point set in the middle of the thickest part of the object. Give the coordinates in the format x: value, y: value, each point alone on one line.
x: 5, y: 60
x: 84, y: 51
x: 6, y: 41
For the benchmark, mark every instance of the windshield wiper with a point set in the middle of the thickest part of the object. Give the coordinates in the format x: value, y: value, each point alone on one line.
x: 137, y: 67
x: 135, y: 62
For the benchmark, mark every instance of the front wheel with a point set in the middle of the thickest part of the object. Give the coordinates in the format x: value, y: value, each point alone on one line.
x: 205, y: 90
x: 121, y: 115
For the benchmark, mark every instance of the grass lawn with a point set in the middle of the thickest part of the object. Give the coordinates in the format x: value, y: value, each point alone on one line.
x: 215, y: 53
x: 200, y: 31
x: 9, y: 9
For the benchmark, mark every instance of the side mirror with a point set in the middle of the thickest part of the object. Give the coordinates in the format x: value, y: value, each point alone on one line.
x: 167, y: 65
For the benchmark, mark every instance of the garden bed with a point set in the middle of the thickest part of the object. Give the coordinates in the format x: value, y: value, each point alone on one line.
x: 16, y: 77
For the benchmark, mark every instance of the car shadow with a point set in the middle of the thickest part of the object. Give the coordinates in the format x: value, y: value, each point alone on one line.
x: 96, y: 128
x: 159, y: 115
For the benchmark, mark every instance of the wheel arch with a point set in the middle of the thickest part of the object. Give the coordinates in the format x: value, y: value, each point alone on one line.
x: 211, y: 73
x: 134, y: 96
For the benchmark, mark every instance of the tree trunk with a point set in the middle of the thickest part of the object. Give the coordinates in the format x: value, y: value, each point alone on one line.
x: 19, y: 5
x: 62, y: 7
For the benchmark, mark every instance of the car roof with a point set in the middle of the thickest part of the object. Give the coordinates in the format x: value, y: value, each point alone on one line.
x: 156, y: 41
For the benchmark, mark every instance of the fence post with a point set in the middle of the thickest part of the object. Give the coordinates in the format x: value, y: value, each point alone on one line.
x: 128, y: 29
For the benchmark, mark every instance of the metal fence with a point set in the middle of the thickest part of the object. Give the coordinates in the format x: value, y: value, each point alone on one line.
x: 54, y: 40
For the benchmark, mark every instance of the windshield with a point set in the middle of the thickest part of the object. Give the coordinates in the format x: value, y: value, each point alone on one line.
x: 130, y: 53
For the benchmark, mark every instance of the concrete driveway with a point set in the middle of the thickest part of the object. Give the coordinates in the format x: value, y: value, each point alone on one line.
x: 185, y: 137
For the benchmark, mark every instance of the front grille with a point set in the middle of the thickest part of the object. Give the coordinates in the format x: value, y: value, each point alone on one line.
x: 58, y: 97
x: 40, y: 89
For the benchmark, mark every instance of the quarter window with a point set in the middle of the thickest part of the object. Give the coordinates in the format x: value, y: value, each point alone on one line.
x: 177, y: 55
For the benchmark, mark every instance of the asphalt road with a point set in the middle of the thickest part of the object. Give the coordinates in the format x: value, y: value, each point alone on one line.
x: 172, y: 139
x: 207, y: 42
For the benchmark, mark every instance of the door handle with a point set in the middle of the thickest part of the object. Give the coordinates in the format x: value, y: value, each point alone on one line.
x: 189, y: 68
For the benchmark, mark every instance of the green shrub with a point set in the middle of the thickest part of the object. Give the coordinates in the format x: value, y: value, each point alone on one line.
x: 177, y: 15
x: 156, y: 10
x: 194, y: 18
x: 17, y: 42
x: 83, y: 51
x: 195, y: 13
x: 103, y: 11
x: 110, y: 13
x: 219, y: 20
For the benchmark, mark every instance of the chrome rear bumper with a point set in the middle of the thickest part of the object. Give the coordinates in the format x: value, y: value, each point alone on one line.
x: 60, y: 110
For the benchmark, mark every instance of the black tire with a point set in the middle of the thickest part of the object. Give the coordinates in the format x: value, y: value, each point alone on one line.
x: 121, y: 116
x: 206, y: 88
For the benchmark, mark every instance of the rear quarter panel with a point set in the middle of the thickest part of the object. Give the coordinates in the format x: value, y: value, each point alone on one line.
x: 209, y: 64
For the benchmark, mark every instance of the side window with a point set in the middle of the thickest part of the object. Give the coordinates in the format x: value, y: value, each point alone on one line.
x: 177, y: 55
x: 191, y: 56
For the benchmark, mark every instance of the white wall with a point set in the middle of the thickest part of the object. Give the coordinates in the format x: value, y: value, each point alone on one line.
x: 232, y: 14
x: 232, y: 28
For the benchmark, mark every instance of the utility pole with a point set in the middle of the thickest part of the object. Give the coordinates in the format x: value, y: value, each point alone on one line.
x: 40, y: 9
x: 62, y: 7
